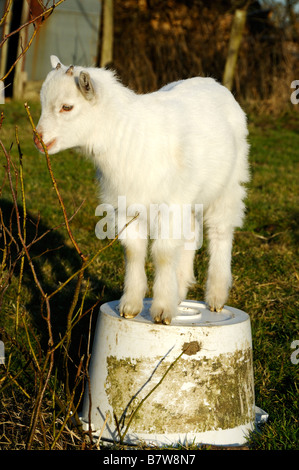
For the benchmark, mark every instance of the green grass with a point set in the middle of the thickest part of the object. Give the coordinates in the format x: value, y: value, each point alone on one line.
x: 265, y: 270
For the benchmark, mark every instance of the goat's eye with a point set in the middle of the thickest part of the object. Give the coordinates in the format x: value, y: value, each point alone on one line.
x: 66, y: 107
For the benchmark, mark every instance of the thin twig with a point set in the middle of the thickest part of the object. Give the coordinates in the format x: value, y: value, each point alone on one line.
x: 84, y: 258
x: 24, y: 229
x: 91, y: 260
x: 2, y: 20
x: 52, y: 229
x: 101, y: 432
x: 20, y: 55
x: 45, y: 14
x: 49, y: 360
x: 122, y: 436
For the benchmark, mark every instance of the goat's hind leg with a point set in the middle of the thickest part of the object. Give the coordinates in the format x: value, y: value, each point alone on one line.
x: 131, y: 302
x: 219, y: 272
x: 185, y: 272
x: 221, y: 219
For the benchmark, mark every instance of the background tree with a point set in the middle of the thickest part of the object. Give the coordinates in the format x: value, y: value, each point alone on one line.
x: 106, y: 44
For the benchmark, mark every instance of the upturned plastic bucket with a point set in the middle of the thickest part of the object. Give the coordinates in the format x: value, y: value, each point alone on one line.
x: 188, y: 382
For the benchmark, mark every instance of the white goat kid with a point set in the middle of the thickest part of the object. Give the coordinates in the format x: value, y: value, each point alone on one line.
x: 184, y: 144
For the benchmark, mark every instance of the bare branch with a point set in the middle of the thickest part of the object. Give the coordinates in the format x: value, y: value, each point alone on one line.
x: 37, y: 21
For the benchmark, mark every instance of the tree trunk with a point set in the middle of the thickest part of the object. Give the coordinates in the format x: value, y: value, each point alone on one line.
x: 233, y: 48
x: 20, y: 75
x: 107, y: 35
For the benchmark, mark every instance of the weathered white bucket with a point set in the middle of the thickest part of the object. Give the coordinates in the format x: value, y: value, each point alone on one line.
x: 205, y: 397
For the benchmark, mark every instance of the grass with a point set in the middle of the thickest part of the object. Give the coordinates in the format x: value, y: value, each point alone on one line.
x: 265, y: 269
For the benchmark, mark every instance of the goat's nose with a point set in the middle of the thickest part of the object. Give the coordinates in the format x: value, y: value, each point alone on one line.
x: 37, y: 142
x: 35, y: 138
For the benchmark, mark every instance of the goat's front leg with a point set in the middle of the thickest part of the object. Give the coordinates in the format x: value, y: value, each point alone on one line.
x: 166, y: 296
x: 131, y: 302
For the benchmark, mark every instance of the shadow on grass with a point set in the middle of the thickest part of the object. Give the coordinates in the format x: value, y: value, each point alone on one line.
x: 54, y: 262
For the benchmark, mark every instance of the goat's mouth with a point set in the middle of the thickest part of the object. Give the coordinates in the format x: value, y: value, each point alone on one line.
x: 40, y: 147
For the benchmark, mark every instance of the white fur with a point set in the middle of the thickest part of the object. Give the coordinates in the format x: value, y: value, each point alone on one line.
x: 184, y: 144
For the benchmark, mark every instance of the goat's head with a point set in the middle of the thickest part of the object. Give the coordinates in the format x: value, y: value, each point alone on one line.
x: 67, y: 95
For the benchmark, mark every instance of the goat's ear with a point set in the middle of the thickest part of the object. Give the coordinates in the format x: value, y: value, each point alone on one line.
x: 55, y: 62
x: 85, y: 86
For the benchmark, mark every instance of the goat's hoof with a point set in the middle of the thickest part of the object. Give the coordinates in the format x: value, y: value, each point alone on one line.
x: 164, y: 321
x: 216, y: 308
x: 160, y: 315
x: 128, y: 310
x: 128, y: 315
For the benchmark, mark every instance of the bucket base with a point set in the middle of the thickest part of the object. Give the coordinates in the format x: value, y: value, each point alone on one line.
x: 236, y: 437
x: 196, y: 376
